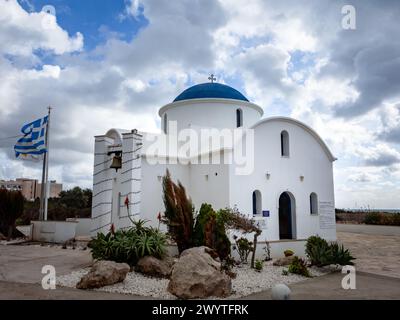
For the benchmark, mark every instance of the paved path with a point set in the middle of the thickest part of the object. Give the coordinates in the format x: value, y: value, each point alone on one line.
x: 377, y: 254
x: 368, y: 287
x: 28, y: 291
x: 23, y: 264
x: 369, y: 229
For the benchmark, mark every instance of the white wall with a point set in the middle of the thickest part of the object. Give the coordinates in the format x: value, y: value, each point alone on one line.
x: 209, y: 184
x: 53, y: 231
x: 215, y: 113
x: 152, y: 201
x: 83, y: 227
x: 307, y: 158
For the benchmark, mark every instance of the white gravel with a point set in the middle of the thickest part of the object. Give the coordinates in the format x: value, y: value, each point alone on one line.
x: 248, y: 281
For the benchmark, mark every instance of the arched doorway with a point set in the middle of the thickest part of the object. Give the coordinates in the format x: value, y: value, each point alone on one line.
x: 287, y: 215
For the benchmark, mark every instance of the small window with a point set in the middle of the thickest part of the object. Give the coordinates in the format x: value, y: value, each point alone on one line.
x: 165, y: 123
x: 284, y: 144
x: 313, y: 203
x: 239, y: 118
x: 257, y: 203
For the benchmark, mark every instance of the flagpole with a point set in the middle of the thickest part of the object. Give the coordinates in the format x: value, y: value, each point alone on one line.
x: 45, y: 174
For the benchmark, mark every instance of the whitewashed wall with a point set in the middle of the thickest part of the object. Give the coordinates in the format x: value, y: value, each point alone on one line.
x: 307, y: 158
x: 215, y: 113
x: 103, y: 182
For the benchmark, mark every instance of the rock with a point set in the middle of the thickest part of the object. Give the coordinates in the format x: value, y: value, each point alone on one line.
x: 197, y: 275
x: 154, y: 267
x: 104, y: 273
x: 2, y: 237
x: 283, y: 261
x: 280, y: 292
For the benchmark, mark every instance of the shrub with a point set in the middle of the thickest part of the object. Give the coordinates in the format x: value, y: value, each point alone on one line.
x: 395, y: 219
x: 179, y: 213
x: 288, y: 253
x: 259, y: 265
x: 317, y: 250
x: 340, y: 255
x: 210, y: 231
x: 233, y: 219
x: 298, y: 266
x: 243, y: 247
x: 373, y: 218
x: 285, y: 272
x: 11, y: 208
x: 322, y: 254
x: 130, y: 245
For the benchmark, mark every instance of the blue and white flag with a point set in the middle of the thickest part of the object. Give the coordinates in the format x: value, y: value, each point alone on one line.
x: 33, y: 144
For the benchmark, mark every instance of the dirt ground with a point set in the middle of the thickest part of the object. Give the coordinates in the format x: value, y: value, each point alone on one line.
x: 377, y: 250
x: 378, y: 254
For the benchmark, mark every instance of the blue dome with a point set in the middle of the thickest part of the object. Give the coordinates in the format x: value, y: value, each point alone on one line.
x: 211, y: 90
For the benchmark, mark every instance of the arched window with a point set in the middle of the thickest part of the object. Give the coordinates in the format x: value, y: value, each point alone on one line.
x: 165, y: 123
x: 239, y: 118
x: 313, y: 203
x: 284, y: 144
x: 257, y: 203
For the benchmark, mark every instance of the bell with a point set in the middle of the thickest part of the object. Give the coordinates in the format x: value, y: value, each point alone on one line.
x: 116, y: 162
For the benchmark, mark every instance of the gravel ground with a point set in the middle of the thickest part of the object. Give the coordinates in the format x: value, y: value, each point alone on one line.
x: 248, y: 281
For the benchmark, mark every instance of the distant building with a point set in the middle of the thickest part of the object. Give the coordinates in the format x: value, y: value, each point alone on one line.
x: 31, y: 188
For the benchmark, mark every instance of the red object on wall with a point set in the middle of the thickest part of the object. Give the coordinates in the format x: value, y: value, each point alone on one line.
x: 127, y: 202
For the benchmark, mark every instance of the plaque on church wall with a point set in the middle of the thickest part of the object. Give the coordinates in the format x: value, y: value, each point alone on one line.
x: 327, y: 215
x: 265, y: 213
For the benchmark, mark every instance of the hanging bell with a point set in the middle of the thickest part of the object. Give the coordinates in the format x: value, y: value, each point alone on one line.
x: 116, y: 162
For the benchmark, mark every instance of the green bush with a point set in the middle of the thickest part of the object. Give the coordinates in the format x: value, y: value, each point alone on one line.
x: 298, y: 266
x: 380, y: 218
x: 205, y: 214
x: 373, y: 218
x: 320, y: 253
x: 11, y: 208
x: 210, y: 231
x: 243, y: 247
x: 259, y: 265
x: 129, y: 245
x: 340, y: 255
x: 317, y: 250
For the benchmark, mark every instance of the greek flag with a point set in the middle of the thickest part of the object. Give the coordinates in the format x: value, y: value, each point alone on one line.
x: 32, y: 145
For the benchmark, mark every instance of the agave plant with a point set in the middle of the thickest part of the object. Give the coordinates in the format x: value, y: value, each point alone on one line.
x: 129, y: 245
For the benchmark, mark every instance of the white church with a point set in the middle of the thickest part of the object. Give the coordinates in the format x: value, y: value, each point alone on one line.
x: 287, y: 188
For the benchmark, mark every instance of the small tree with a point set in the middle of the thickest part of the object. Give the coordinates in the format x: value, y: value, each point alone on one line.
x: 11, y: 208
x: 210, y: 231
x: 179, y: 213
x: 233, y: 219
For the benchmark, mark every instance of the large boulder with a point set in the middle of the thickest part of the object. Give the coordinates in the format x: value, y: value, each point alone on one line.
x: 197, y: 275
x: 283, y: 261
x: 154, y: 267
x: 104, y: 273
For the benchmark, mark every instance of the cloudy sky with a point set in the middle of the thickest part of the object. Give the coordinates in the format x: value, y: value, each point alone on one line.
x: 114, y: 63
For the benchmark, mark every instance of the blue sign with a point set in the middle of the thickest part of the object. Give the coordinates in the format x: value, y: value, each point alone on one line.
x: 265, y: 213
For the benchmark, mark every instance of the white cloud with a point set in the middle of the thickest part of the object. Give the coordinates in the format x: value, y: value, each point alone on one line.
x: 287, y: 54
x: 21, y: 33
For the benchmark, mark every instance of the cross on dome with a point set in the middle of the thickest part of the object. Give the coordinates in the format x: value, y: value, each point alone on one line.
x: 212, y: 78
